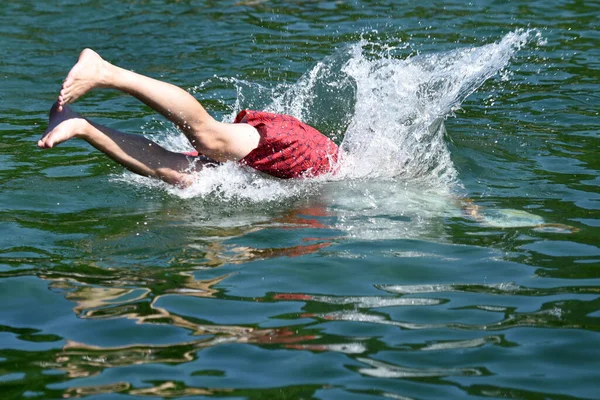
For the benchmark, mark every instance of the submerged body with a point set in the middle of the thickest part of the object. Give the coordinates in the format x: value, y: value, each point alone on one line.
x: 278, y: 145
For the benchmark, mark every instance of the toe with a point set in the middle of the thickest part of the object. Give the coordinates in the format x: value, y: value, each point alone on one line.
x: 43, y: 144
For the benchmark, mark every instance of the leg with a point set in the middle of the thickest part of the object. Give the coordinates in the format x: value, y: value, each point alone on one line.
x: 219, y: 141
x: 134, y: 152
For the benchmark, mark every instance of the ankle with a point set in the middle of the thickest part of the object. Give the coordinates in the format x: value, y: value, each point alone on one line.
x: 115, y: 77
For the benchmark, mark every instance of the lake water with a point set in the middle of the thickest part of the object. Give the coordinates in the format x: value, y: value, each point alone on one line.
x: 456, y: 254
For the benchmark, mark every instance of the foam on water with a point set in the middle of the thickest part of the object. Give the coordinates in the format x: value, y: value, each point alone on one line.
x: 386, y: 113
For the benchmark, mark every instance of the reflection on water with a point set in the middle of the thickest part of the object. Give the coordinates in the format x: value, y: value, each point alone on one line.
x: 384, y: 370
x: 127, y: 297
x: 123, y: 284
x: 165, y: 389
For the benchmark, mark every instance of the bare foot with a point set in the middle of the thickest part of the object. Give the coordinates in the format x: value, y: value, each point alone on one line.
x: 90, y: 72
x: 63, y: 125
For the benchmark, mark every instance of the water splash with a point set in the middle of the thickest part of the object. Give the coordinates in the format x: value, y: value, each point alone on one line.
x: 394, y: 123
x: 387, y: 114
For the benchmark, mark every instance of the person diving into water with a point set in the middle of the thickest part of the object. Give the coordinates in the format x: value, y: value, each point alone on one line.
x: 276, y: 144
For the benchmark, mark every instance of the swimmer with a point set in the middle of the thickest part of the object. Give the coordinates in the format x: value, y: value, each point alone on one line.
x: 275, y: 144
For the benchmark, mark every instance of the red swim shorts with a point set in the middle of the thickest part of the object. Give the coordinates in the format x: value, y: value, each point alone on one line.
x: 288, y: 148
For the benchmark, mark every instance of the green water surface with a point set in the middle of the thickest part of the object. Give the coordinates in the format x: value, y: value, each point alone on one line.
x: 112, y: 290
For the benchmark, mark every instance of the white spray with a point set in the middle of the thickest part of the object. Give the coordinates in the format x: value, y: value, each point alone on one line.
x: 388, y: 116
